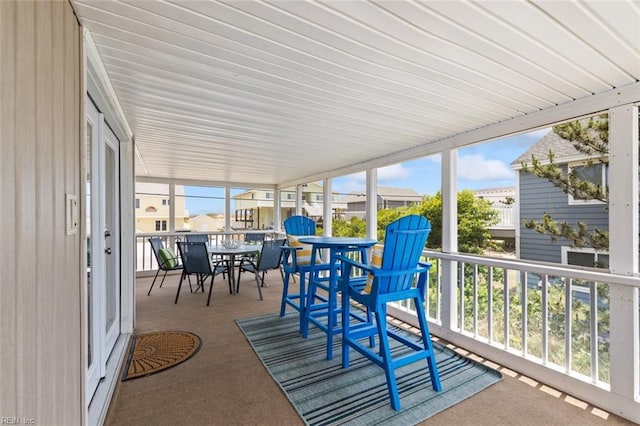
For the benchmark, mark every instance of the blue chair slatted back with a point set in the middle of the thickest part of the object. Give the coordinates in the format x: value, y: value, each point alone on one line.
x: 195, y: 257
x: 300, y: 225
x: 403, y: 244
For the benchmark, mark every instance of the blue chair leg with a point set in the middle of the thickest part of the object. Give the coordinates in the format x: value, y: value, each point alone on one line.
x: 345, y: 330
x: 426, y: 341
x: 332, y: 321
x: 385, y: 353
x: 309, y: 299
x: 285, y: 292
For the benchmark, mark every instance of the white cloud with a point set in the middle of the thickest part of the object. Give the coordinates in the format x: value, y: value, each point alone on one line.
x: 391, y: 173
x: 538, y: 134
x: 476, y: 168
x: 394, y: 174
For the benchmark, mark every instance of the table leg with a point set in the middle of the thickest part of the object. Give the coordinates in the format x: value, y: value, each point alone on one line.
x: 232, y: 273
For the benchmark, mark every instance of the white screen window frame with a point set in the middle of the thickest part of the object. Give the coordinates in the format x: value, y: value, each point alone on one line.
x: 603, y: 182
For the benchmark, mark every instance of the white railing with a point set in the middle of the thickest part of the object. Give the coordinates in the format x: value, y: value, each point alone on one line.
x: 505, y: 216
x: 553, y: 325
x: 145, y: 260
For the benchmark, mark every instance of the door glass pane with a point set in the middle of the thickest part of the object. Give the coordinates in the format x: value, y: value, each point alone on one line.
x: 110, y: 237
x: 88, y: 231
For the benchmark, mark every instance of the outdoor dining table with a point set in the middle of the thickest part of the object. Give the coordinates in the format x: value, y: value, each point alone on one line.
x: 230, y: 253
x: 315, y: 312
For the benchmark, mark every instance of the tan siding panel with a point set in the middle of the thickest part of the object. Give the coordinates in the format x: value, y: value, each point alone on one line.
x: 41, y: 370
x: 26, y: 263
x: 8, y: 319
x: 45, y: 228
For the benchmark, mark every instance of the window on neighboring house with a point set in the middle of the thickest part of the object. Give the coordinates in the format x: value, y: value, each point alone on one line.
x: 165, y: 202
x: 595, y: 173
x: 268, y: 195
x: 137, y: 203
x: 151, y: 209
x: 585, y: 257
x: 291, y: 196
x: 161, y: 225
x: 318, y: 197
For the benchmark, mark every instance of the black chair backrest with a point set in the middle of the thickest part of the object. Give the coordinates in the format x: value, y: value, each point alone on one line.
x: 156, y: 246
x: 271, y: 255
x: 195, y: 257
x: 197, y: 238
x: 254, y: 237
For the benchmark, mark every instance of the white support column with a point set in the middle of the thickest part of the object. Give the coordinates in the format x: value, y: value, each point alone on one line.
x: 327, y: 207
x: 623, y: 249
x: 449, y: 238
x: 172, y: 208
x: 227, y: 208
x: 299, y: 199
x: 371, y: 206
x: 516, y: 214
x: 277, y: 209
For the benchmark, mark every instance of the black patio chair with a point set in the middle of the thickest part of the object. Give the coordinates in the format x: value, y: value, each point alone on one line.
x: 167, y: 261
x: 196, y: 261
x: 196, y: 238
x: 254, y: 237
x: 270, y: 258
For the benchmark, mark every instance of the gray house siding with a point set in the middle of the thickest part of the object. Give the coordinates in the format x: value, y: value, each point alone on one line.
x: 539, y: 196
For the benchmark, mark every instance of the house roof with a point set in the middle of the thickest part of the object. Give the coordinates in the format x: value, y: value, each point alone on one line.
x: 388, y: 193
x: 159, y: 189
x: 256, y: 93
x: 561, y: 148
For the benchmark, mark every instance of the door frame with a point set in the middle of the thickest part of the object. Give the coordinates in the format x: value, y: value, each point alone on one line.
x: 97, y: 86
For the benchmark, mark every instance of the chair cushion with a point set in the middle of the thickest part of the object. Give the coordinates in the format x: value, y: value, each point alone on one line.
x: 303, y: 255
x: 376, y: 262
x: 168, y: 257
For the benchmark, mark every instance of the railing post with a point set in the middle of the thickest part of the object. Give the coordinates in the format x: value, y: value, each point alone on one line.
x: 449, y: 239
x: 371, y: 205
x: 623, y: 249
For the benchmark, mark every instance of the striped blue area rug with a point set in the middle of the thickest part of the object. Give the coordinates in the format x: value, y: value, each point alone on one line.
x: 324, y: 393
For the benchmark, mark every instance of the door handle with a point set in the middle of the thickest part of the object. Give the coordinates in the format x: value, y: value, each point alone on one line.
x: 107, y: 250
x: 107, y: 234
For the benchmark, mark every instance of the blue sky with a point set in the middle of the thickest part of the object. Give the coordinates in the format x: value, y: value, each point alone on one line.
x: 479, y: 166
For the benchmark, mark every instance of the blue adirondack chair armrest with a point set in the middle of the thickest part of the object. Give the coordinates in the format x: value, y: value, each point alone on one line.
x: 421, y: 270
x: 293, y: 264
x: 379, y: 272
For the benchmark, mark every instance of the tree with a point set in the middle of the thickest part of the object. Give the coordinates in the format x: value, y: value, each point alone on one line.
x: 475, y: 216
x: 354, y: 227
x: 589, y: 137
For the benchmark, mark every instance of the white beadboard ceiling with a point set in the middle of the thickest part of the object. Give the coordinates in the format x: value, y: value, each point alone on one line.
x: 274, y: 92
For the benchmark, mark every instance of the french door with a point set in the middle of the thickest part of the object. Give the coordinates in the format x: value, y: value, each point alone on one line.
x: 102, y: 188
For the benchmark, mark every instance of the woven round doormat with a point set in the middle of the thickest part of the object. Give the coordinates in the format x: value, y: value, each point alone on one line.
x: 153, y: 352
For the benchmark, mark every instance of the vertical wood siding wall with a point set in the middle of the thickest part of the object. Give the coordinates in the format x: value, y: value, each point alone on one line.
x: 40, y: 292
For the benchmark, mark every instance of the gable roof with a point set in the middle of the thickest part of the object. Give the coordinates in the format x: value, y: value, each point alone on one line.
x: 388, y: 193
x: 563, y: 151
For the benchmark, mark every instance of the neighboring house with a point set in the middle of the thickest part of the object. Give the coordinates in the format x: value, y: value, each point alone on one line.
x: 206, y: 222
x: 538, y: 196
x: 387, y: 198
x: 152, y: 208
x: 254, y: 208
x: 505, y: 229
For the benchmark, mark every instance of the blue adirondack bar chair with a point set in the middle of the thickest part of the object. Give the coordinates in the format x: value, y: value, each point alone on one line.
x: 389, y: 277
x: 294, y: 263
